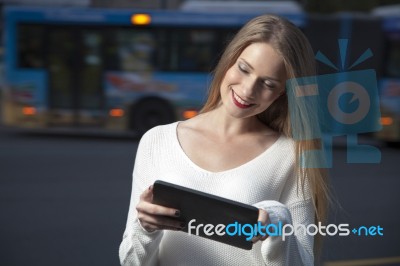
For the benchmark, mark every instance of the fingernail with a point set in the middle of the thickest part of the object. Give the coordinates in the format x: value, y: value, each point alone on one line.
x: 177, y: 213
x: 150, y: 187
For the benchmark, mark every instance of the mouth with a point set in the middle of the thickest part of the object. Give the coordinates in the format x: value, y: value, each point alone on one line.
x: 239, y: 102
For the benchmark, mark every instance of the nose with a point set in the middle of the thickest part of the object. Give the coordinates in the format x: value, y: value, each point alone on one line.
x: 248, y: 87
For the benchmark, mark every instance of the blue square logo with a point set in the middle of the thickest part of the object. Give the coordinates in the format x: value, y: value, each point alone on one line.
x: 343, y: 103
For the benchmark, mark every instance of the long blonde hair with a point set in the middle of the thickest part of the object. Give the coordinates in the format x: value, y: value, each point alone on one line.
x: 299, y: 61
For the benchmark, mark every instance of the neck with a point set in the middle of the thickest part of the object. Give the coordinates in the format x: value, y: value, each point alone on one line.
x: 226, y: 126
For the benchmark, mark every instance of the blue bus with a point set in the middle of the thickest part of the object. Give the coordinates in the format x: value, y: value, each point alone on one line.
x: 121, y: 71
x: 389, y: 83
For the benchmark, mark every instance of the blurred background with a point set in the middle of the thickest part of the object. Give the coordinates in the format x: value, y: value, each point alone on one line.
x: 82, y: 80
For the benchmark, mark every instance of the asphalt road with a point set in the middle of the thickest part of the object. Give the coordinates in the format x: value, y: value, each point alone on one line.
x: 64, y: 201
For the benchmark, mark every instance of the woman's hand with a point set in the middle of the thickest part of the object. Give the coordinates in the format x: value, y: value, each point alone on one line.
x: 263, y: 218
x: 155, y: 217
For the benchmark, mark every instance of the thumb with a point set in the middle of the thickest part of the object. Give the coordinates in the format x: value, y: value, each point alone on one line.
x: 147, y: 195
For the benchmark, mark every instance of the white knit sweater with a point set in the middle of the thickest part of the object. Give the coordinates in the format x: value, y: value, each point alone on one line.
x: 266, y: 181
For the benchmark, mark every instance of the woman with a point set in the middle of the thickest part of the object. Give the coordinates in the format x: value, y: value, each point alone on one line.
x: 239, y: 147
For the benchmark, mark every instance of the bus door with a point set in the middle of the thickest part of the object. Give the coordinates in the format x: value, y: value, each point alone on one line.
x: 75, y: 65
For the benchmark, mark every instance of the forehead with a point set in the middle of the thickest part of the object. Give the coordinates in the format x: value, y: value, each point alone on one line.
x: 261, y: 49
x: 263, y: 58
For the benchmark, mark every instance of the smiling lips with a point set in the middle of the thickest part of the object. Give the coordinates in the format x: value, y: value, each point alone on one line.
x: 239, y: 102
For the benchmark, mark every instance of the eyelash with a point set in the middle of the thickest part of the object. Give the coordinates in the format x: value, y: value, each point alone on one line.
x: 271, y: 86
x: 243, y: 70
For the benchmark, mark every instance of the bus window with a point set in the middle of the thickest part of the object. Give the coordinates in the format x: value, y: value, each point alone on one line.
x: 393, y: 57
x: 30, y: 46
x: 192, y: 50
x: 90, y: 70
x: 62, y: 56
x: 131, y: 50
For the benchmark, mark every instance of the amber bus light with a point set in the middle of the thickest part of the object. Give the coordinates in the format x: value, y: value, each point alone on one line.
x: 116, y: 112
x: 189, y: 114
x: 386, y: 121
x: 29, y: 110
x: 140, y: 19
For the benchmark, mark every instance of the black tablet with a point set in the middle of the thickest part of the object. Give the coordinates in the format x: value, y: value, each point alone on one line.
x: 209, y: 216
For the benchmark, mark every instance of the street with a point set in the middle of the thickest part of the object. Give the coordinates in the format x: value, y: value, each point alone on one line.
x: 64, y: 201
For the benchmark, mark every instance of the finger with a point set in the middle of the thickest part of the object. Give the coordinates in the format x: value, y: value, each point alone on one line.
x: 258, y: 238
x: 153, y: 209
x: 255, y: 239
x: 160, y: 221
x: 147, y: 195
x: 264, y: 237
x: 262, y: 217
x: 153, y: 227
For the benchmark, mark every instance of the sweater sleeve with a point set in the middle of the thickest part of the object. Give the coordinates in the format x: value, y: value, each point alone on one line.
x: 139, y: 247
x: 294, y: 249
x: 295, y: 207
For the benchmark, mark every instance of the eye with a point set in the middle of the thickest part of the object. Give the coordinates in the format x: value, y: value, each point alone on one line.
x: 269, y: 84
x: 243, y: 68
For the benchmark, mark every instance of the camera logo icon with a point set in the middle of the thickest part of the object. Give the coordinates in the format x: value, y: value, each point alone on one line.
x: 349, y: 102
x: 342, y: 103
x: 360, y: 94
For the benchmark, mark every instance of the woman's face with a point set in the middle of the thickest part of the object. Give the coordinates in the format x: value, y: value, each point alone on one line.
x: 254, y: 81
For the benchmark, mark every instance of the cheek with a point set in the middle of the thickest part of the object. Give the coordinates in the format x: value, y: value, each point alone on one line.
x: 231, y: 76
x: 270, y: 97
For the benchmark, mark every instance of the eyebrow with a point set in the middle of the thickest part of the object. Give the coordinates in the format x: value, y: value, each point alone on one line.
x: 266, y: 77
